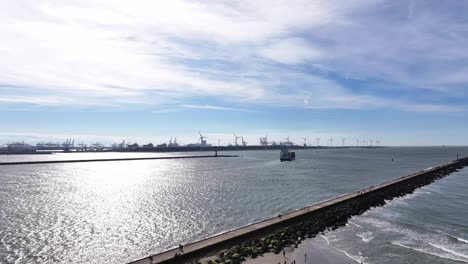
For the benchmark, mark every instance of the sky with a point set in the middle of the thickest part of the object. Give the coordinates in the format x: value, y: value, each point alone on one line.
x: 145, y: 71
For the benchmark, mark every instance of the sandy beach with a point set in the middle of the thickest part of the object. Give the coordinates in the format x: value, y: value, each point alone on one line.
x: 310, y: 251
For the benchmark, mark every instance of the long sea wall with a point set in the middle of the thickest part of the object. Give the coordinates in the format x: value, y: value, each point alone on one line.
x: 273, y: 234
x: 114, y: 159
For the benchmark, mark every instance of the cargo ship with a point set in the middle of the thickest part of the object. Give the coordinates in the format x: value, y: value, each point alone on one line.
x: 286, y: 155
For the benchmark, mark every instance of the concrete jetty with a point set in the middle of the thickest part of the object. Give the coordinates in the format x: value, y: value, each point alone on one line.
x: 114, y: 159
x: 318, y: 217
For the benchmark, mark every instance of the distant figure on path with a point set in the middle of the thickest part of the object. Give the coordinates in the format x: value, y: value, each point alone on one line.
x: 284, y: 254
x: 305, y: 257
x: 181, y: 247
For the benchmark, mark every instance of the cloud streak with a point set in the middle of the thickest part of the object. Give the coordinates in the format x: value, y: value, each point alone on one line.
x: 306, y: 54
x: 214, y: 107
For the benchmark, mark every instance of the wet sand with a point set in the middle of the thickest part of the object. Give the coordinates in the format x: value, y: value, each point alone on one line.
x: 318, y: 251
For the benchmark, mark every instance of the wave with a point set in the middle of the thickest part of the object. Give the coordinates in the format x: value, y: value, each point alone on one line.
x: 326, y: 239
x: 449, y: 250
x: 366, y: 236
x: 351, y: 222
x: 462, y: 240
x: 403, y: 200
x: 355, y: 258
x: 430, y: 253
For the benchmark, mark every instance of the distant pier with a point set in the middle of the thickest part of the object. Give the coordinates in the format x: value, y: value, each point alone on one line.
x: 114, y: 159
x: 308, y: 221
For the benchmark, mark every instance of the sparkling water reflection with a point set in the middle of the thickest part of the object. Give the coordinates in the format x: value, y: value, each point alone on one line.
x: 115, y: 212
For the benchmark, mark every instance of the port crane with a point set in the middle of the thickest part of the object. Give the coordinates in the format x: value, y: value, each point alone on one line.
x: 287, y: 142
x: 202, y: 139
x: 243, y: 142
x: 264, y: 140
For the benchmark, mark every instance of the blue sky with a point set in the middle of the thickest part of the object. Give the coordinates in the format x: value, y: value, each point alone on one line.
x: 149, y: 70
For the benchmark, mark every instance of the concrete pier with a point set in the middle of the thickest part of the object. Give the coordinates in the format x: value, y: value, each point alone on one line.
x: 322, y: 215
x: 115, y: 159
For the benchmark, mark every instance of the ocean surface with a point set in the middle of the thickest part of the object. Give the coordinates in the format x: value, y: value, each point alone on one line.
x: 115, y: 212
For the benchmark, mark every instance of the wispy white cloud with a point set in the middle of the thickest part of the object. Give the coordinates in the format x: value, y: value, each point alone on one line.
x: 294, y: 53
x: 291, y: 51
x: 213, y: 107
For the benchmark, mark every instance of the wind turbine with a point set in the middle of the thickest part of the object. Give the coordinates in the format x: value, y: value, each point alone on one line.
x: 318, y: 142
x: 331, y: 142
x: 305, y: 141
x: 343, y: 140
x: 235, y: 140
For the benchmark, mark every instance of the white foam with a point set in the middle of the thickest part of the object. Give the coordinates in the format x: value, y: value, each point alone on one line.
x: 449, y: 250
x: 429, y: 253
x: 351, y: 222
x: 326, y: 239
x: 366, y: 236
x: 355, y: 258
x: 462, y: 240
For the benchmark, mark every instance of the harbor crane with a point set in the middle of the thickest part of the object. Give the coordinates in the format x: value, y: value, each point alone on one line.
x: 264, y: 140
x: 202, y: 139
x: 243, y: 142
x: 305, y: 141
x: 287, y: 142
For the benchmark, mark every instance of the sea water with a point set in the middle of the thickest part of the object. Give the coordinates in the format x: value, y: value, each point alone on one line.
x: 115, y: 212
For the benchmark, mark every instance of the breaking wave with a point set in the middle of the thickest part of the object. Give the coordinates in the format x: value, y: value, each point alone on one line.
x: 444, y: 256
x: 449, y: 250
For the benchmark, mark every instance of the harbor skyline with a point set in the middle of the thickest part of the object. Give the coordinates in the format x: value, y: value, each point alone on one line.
x: 148, y: 71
